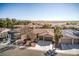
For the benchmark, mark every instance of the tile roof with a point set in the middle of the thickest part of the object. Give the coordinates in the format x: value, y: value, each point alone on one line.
x: 44, y: 32
x: 70, y: 33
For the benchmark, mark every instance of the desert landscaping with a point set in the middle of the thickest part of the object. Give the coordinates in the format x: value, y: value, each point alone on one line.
x: 37, y: 37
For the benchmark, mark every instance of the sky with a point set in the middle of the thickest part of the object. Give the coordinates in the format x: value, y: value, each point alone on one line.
x: 40, y: 11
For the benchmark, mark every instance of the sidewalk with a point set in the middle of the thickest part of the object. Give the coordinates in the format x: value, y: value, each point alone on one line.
x: 69, y: 52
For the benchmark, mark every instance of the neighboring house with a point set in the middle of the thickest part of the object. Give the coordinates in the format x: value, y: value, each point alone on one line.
x: 1, y: 29
x: 18, y: 26
x: 3, y: 32
x: 31, y: 25
x: 14, y: 35
x: 70, y: 36
x: 7, y: 34
x: 77, y: 26
x: 70, y: 39
x: 57, y: 24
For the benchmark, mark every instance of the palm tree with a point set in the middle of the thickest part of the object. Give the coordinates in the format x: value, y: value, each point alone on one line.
x: 37, y: 36
x: 57, y: 35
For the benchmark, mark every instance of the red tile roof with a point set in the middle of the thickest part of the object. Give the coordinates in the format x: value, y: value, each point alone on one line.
x: 44, y: 32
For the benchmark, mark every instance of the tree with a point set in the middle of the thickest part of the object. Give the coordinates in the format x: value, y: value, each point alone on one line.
x: 71, y: 23
x: 57, y: 35
x: 4, y: 23
x: 47, y: 26
x: 28, y: 22
x: 14, y: 21
x: 1, y: 23
x: 9, y: 23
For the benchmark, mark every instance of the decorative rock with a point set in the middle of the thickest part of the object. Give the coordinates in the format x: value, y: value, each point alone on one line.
x: 22, y: 47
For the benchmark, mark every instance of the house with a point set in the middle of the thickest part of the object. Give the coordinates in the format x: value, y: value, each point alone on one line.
x: 3, y: 33
x: 44, y: 33
x: 44, y: 37
x: 70, y: 39
x: 14, y: 35
x: 70, y: 36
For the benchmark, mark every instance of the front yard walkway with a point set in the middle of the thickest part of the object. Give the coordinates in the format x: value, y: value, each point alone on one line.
x: 69, y: 52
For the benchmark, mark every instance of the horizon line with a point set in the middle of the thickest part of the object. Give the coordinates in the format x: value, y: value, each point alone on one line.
x: 40, y: 19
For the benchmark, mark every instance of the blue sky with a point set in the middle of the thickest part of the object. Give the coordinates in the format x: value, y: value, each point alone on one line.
x: 39, y: 11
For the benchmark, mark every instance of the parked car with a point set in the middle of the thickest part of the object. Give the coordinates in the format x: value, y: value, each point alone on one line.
x: 51, y: 52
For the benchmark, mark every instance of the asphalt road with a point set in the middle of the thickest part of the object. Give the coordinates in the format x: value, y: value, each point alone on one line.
x: 25, y: 52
